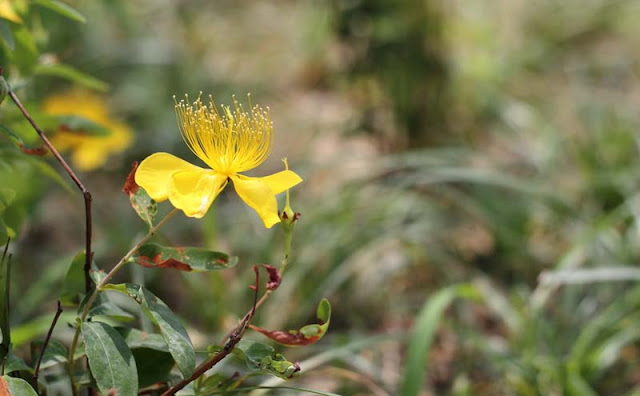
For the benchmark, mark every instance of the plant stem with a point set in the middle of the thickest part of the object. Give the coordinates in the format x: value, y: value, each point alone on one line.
x: 46, y: 342
x: 235, y: 335
x: 85, y: 193
x: 97, y: 291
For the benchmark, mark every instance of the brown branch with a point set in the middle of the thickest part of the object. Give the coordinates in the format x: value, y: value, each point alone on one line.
x: 234, y: 338
x: 85, y: 193
x: 46, y: 342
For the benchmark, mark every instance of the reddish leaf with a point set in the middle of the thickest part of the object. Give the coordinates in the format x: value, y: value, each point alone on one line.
x: 182, y: 258
x: 130, y: 185
x: 308, y: 334
x: 141, y: 202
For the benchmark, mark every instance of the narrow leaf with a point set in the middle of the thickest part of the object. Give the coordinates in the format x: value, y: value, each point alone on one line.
x: 5, y: 335
x: 306, y: 335
x: 69, y: 73
x: 263, y: 358
x: 10, y: 386
x: 14, y: 363
x: 170, y: 327
x: 62, y: 9
x: 182, y: 258
x: 110, y: 360
x: 423, y: 333
x: 73, y: 287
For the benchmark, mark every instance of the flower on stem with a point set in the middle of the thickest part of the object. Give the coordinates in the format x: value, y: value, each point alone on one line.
x: 89, y: 150
x: 229, y: 143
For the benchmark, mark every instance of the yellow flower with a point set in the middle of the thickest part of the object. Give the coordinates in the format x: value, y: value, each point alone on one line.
x: 8, y: 12
x: 233, y: 142
x: 88, y: 151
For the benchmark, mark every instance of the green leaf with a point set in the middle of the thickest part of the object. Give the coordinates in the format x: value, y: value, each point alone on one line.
x: 69, y: 73
x: 7, y: 196
x: 263, y: 358
x: 62, y: 9
x: 104, y: 307
x: 153, y: 365
x: 308, y: 334
x: 26, y: 52
x: 141, y: 202
x: 5, y: 282
x: 14, y: 363
x: 55, y: 353
x: 10, y: 386
x: 170, y: 327
x: 423, y: 333
x: 140, y: 339
x: 6, y: 35
x: 182, y: 258
x: 73, y: 286
x: 110, y: 360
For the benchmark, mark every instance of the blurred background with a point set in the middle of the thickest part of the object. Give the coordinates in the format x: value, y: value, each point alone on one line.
x: 482, y: 153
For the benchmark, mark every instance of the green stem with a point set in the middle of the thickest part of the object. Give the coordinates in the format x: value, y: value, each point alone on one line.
x: 124, y: 260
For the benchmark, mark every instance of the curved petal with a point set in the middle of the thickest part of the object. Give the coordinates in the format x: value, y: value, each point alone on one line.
x: 281, y: 181
x: 194, y: 191
x: 155, y: 173
x: 259, y: 196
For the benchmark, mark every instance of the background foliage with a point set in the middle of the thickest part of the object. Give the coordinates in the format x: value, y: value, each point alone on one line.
x: 470, y: 204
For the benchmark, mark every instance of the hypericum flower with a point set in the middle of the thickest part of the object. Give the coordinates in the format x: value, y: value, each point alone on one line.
x: 88, y: 151
x: 232, y: 142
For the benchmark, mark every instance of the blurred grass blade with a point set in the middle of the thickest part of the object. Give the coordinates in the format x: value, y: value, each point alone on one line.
x: 6, y: 35
x: 71, y: 74
x: 590, y: 275
x: 5, y: 335
x: 62, y: 9
x: 423, y: 333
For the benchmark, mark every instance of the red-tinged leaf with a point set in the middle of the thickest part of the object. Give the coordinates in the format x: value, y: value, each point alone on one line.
x: 10, y: 386
x: 274, y: 277
x: 141, y: 202
x: 182, y: 258
x: 130, y: 186
x: 308, y: 334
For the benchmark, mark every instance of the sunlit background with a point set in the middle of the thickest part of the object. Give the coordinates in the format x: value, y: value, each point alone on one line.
x: 488, y: 144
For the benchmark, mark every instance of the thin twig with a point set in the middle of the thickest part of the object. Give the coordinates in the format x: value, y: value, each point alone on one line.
x: 85, y: 193
x: 45, y: 343
x: 234, y: 338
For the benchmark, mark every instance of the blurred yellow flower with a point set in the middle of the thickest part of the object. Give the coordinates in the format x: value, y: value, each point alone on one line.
x: 7, y: 12
x: 88, y: 151
x: 230, y: 143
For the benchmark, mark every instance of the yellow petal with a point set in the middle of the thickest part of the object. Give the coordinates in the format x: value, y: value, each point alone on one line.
x: 194, y: 191
x: 281, y: 181
x: 155, y: 174
x: 258, y: 195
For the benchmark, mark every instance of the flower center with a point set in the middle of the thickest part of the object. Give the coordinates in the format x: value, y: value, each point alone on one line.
x: 231, y: 142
